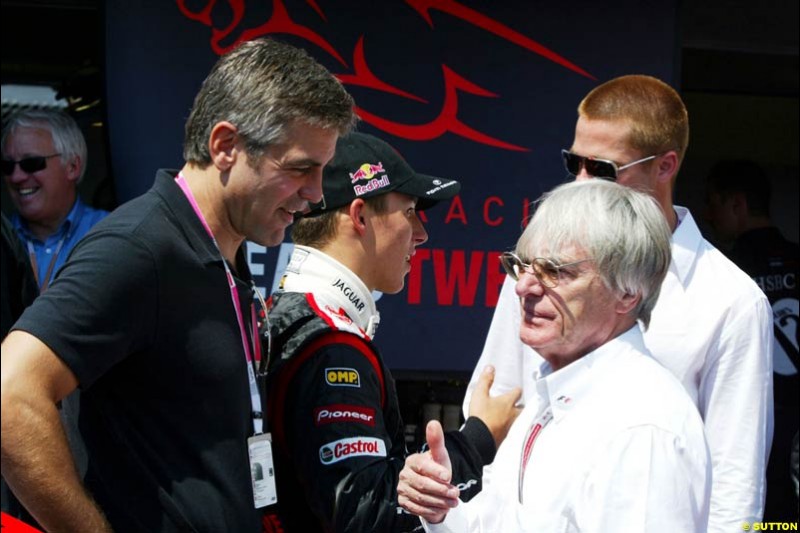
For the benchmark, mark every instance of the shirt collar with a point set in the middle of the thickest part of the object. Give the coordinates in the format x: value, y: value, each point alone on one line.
x: 186, y: 218
x: 567, y: 387
x: 686, y: 241
x: 332, y: 283
x: 76, y: 213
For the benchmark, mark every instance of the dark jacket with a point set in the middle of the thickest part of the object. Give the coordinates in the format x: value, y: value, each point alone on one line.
x: 338, y: 435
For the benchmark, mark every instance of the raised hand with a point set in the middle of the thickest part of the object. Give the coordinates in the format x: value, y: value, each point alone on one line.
x: 424, y: 488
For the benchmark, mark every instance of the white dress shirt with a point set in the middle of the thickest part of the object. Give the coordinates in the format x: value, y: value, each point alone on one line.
x: 712, y: 328
x: 624, y: 452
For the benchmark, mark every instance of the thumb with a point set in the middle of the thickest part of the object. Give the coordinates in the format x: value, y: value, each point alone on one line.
x: 485, y: 381
x: 434, y: 435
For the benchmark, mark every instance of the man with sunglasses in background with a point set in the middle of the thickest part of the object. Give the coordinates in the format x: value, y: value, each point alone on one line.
x: 44, y: 159
x: 712, y: 326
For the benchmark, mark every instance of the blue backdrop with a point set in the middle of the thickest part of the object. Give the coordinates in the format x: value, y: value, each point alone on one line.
x: 484, y: 92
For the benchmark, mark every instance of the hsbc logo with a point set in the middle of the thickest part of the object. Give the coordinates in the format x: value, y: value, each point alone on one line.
x: 329, y: 414
x: 342, y: 449
x: 342, y: 377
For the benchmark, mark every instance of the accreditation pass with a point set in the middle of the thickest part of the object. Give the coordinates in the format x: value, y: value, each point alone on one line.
x: 262, y: 470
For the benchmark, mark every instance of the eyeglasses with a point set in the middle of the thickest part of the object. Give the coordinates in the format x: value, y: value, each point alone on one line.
x: 28, y: 165
x: 547, y: 271
x: 597, y: 168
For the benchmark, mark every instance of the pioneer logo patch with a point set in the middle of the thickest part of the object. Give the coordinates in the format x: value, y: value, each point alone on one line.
x: 342, y: 377
x: 340, y: 412
x: 342, y: 449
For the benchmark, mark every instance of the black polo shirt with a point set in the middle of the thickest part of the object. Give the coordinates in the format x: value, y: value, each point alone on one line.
x: 142, y: 314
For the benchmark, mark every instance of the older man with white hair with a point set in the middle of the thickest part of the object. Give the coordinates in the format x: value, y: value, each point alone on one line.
x: 44, y: 158
x: 610, y: 441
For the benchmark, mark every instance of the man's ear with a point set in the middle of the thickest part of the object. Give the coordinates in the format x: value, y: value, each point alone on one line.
x: 222, y: 145
x: 357, y: 215
x: 73, y: 167
x: 626, y: 303
x: 667, y: 166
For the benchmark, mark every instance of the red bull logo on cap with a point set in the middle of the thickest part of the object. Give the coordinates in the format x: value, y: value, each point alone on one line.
x: 372, y: 185
x: 366, y: 171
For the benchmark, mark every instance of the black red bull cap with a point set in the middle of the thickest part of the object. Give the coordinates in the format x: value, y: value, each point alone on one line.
x: 365, y: 166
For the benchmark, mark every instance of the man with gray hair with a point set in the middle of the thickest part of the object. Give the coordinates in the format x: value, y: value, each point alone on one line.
x: 609, y: 440
x: 153, y: 317
x: 44, y: 159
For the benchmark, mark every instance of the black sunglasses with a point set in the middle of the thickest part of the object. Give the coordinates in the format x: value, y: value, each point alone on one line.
x: 597, y: 168
x: 28, y: 165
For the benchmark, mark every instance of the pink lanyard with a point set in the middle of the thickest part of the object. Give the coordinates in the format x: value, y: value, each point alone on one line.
x: 255, y: 396
x: 530, y: 439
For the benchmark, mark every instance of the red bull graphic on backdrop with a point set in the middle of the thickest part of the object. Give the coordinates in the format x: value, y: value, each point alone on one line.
x: 235, y: 29
x: 483, y: 92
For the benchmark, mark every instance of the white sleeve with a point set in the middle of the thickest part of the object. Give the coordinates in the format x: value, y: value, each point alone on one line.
x: 456, y: 521
x: 478, y: 515
x: 485, y: 513
x: 647, y: 480
x: 736, y: 400
x: 513, y: 361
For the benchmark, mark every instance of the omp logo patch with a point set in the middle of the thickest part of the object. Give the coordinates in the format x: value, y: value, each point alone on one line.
x: 340, y: 412
x: 342, y: 377
x: 342, y: 449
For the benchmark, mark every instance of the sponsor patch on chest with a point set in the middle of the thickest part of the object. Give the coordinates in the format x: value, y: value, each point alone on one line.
x: 329, y: 414
x: 342, y: 449
x: 342, y: 377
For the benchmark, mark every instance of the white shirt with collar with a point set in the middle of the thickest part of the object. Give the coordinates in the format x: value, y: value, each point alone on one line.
x: 712, y: 328
x: 625, y: 451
